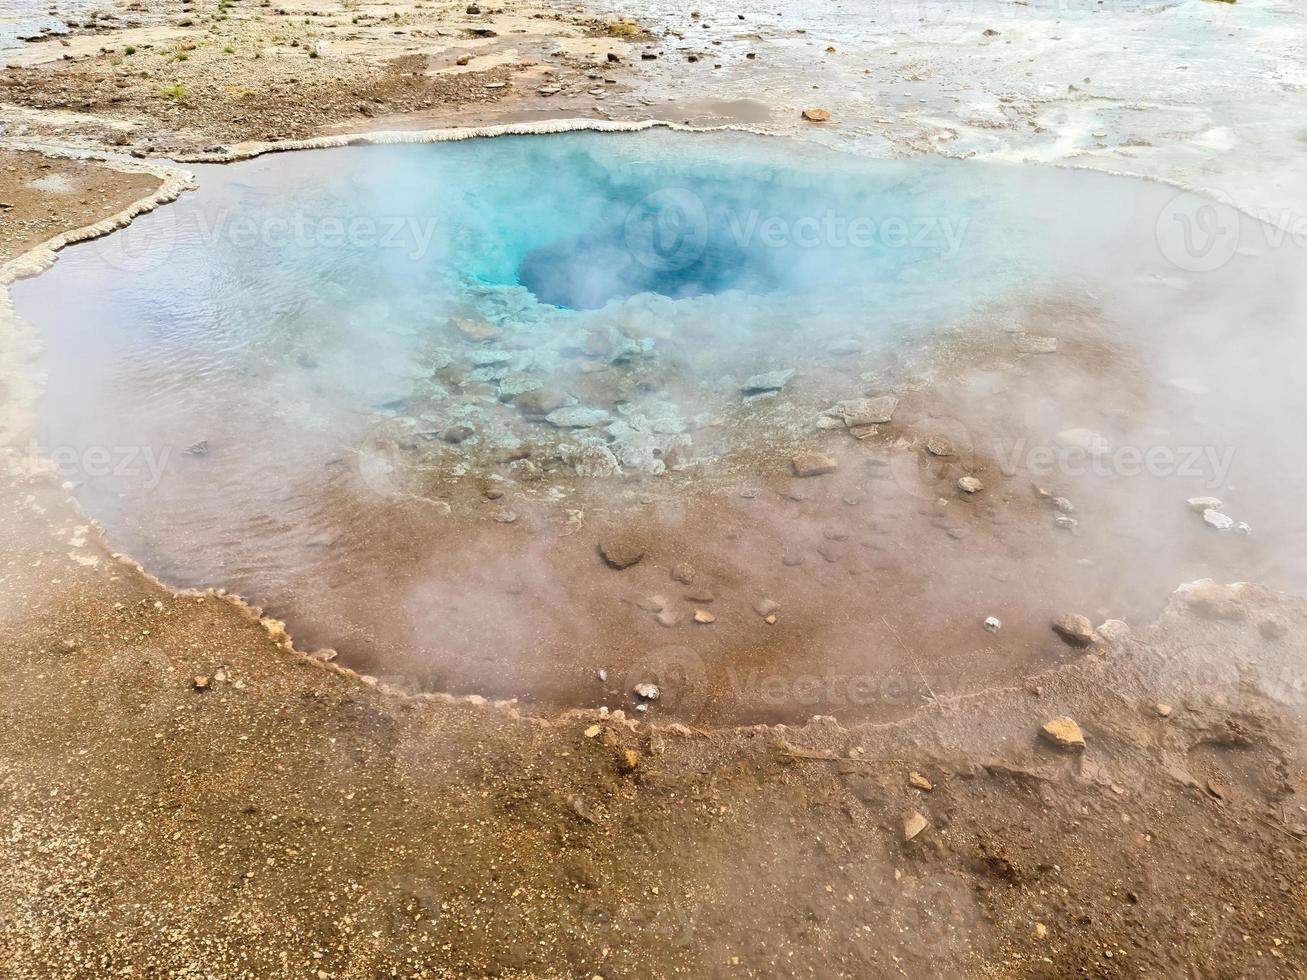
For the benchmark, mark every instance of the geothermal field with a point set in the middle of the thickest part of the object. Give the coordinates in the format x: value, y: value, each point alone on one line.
x: 578, y: 490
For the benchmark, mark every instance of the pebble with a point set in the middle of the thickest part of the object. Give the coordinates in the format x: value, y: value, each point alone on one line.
x: 939, y: 446
x: 993, y: 624
x: 1163, y: 710
x: 769, y: 381
x: 920, y: 782
x: 683, y: 573
x: 1064, y: 733
x: 592, y: 731
x: 1076, y: 630
x: 200, y: 683
x: 1063, y: 505
x: 506, y: 517
x: 1065, y: 522
x: 1200, y: 504
x: 653, y: 603
x: 577, y: 417
x: 1214, y: 518
x: 668, y: 617
x: 816, y: 115
x: 969, y: 484
x: 857, y: 412
x: 621, y: 551
x: 648, y: 692
x: 913, y: 824
x: 704, y: 616
x: 766, y: 607
x: 813, y: 464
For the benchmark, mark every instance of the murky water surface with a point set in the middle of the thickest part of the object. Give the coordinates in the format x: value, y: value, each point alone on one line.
x: 397, y: 393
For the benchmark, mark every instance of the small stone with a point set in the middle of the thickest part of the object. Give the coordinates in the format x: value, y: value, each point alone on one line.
x: 683, y: 573
x: 770, y: 381
x: 1065, y: 522
x: 939, y: 446
x: 770, y: 620
x: 913, y: 824
x: 1163, y: 710
x: 969, y: 484
x: 621, y: 551
x: 993, y: 624
x: 701, y: 594
x: 813, y: 464
x: 766, y: 607
x: 1201, y: 504
x: 1076, y: 630
x: 816, y: 115
x: 1062, y: 505
x: 668, y: 617
x: 1041, y: 931
x: 1064, y: 733
x: 577, y: 417
x: 592, y: 731
x: 704, y: 616
x: 464, y: 60
x: 1114, y: 630
x: 1214, y: 518
x: 858, y: 412
x: 647, y: 692
x: 652, y: 604
x: 200, y: 448
x: 200, y: 683
x: 919, y: 781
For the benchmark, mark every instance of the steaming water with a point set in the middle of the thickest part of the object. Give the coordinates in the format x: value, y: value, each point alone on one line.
x: 300, y: 311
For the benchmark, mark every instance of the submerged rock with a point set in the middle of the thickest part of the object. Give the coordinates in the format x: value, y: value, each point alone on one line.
x: 621, y: 550
x: 577, y: 417
x: 1214, y: 518
x: 913, y: 824
x: 813, y: 464
x: 1076, y: 630
x: 769, y: 381
x: 591, y: 460
x: 1033, y: 344
x: 855, y: 412
x: 969, y: 484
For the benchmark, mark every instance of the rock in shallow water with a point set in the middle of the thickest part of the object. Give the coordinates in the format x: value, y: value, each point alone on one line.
x: 769, y: 381
x: 577, y: 417
x: 1075, y: 630
x: 855, y: 412
x: 621, y: 550
x: 813, y: 464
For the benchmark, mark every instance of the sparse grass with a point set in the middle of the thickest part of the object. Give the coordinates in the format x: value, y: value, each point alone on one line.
x: 229, y: 50
x: 129, y: 50
x: 174, y: 93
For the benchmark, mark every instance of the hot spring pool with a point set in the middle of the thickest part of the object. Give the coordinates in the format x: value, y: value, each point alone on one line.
x: 327, y: 380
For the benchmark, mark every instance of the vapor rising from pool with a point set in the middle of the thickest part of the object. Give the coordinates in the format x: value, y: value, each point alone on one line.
x: 393, y: 392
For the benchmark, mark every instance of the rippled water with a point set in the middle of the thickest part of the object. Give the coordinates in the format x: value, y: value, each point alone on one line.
x: 323, y: 379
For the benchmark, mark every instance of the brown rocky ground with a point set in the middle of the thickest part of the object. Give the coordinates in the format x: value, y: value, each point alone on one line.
x: 289, y: 820
x: 183, y: 78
